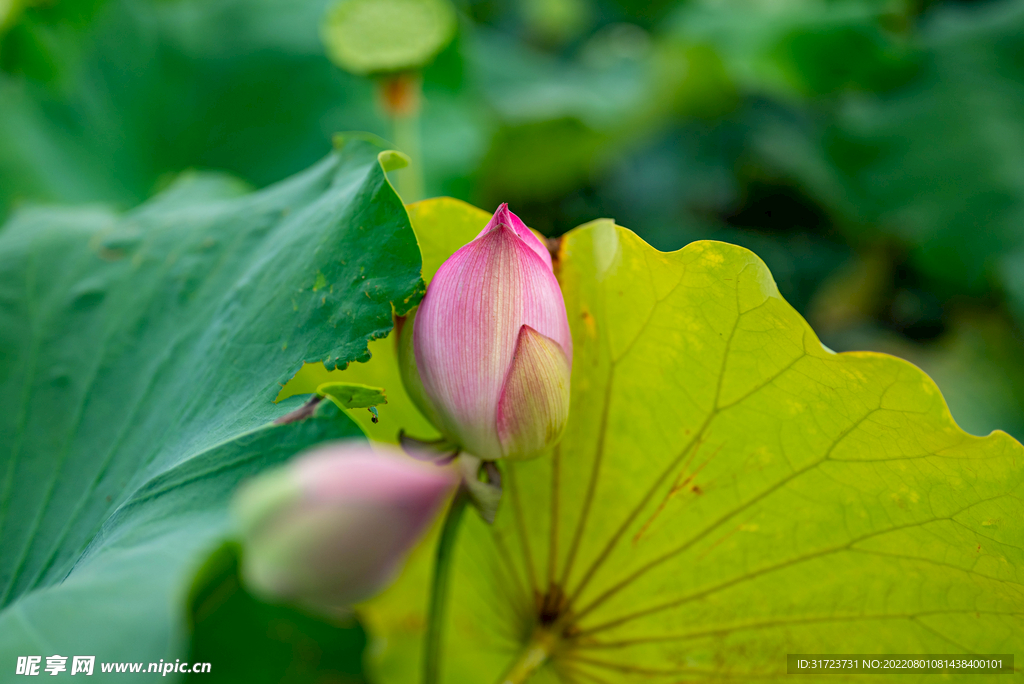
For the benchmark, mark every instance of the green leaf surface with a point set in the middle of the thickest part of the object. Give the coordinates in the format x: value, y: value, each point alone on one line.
x: 139, y: 358
x: 727, y: 491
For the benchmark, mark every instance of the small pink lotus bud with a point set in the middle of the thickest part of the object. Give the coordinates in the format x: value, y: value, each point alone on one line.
x: 332, y: 527
x: 492, y: 348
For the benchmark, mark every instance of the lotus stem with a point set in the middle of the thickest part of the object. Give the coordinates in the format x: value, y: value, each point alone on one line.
x: 401, y: 96
x: 439, y: 588
x: 531, y: 658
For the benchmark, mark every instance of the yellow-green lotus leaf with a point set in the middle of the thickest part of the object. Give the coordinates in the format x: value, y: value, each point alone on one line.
x: 727, y: 491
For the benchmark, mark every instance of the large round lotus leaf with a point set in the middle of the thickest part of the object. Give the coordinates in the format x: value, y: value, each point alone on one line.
x: 727, y: 491
x: 375, y: 36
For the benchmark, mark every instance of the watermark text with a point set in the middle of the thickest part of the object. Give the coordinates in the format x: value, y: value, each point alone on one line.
x: 54, y: 665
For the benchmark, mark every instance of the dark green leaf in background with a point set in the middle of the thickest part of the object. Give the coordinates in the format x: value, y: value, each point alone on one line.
x: 799, y: 48
x: 933, y: 164
x: 105, y: 100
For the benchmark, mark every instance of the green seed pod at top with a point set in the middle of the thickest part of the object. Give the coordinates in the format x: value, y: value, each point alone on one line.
x: 370, y: 37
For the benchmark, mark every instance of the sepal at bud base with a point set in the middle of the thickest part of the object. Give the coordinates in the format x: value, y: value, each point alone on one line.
x: 482, y: 481
x: 439, y: 451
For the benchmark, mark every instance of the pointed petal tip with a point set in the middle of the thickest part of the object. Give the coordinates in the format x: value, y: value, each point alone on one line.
x: 505, y: 218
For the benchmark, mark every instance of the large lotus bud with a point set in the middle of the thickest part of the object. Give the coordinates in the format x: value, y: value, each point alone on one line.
x: 491, y: 345
x: 332, y: 527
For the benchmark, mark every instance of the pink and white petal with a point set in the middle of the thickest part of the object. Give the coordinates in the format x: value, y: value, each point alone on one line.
x: 350, y: 471
x: 466, y: 330
x: 333, y: 526
x: 534, y: 404
x: 544, y: 306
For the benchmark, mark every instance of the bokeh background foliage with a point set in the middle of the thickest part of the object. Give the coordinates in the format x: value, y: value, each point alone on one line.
x: 869, y: 151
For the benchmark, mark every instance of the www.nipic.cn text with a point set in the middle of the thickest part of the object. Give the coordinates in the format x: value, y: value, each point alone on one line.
x: 86, y: 665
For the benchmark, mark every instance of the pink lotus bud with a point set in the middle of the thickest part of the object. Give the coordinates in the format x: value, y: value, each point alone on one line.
x: 332, y: 527
x: 492, y: 348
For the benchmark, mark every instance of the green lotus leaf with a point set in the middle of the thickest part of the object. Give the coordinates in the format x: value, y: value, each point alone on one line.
x: 140, y: 354
x: 380, y: 36
x: 727, y: 491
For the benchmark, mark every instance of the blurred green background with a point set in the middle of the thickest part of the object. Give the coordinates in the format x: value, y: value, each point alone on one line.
x: 870, y: 151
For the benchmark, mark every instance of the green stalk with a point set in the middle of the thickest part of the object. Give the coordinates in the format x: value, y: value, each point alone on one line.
x: 401, y: 96
x: 531, y: 658
x: 406, y: 133
x: 433, y: 641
